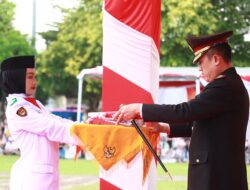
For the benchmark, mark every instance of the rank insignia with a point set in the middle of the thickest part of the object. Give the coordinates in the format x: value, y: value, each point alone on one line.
x: 21, y: 112
x: 109, y: 151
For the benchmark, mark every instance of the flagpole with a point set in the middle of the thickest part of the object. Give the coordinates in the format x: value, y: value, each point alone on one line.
x: 150, y: 147
x: 34, y: 25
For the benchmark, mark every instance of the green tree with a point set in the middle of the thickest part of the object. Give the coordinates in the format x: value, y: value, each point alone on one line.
x: 177, y: 24
x: 77, y: 42
x: 77, y: 45
x: 12, y: 42
x: 199, y: 18
x: 235, y: 15
x: 6, y: 15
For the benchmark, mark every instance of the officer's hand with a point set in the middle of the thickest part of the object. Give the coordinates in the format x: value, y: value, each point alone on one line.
x: 127, y: 112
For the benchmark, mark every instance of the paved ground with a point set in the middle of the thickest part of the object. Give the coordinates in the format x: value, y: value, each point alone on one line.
x: 4, y: 180
x: 68, y: 182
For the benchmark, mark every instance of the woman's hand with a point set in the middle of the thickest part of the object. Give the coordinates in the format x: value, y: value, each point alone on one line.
x: 159, y: 127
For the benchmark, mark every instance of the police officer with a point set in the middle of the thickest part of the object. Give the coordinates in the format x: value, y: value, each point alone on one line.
x: 35, y: 130
x: 216, y: 119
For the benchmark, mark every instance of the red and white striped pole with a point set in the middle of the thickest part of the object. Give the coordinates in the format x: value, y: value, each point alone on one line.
x: 131, y: 44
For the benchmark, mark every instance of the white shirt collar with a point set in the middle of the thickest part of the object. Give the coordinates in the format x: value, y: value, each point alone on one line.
x: 20, y: 95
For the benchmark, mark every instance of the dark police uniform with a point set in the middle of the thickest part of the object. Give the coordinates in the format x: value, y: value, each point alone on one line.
x: 216, y: 120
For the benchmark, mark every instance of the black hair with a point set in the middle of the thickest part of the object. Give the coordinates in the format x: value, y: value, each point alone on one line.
x: 222, y: 49
x: 13, y: 81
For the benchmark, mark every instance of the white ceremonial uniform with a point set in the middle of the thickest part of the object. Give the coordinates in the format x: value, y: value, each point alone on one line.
x: 37, y: 133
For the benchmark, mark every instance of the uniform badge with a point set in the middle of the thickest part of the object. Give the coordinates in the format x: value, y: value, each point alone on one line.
x: 21, y: 112
x: 13, y: 101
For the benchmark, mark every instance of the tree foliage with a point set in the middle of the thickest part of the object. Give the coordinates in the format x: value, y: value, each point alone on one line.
x: 77, y: 45
x: 235, y: 15
x: 12, y: 42
x: 180, y: 19
x: 77, y: 42
x: 191, y: 17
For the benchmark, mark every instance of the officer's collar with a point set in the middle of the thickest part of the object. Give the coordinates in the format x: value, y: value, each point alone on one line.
x: 229, y: 71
